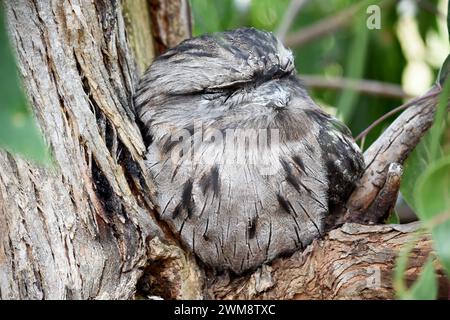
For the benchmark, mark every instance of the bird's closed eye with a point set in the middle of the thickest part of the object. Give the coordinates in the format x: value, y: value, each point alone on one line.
x: 214, y: 94
x: 226, y: 91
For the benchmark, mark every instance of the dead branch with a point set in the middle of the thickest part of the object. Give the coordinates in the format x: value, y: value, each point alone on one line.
x: 369, y: 87
x: 393, y: 146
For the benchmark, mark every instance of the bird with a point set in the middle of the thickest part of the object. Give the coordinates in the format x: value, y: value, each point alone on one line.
x: 246, y: 165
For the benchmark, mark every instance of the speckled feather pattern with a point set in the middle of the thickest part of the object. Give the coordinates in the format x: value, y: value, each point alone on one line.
x: 233, y: 200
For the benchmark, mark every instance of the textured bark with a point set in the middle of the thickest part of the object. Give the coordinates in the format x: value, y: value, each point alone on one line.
x: 138, y: 23
x: 77, y: 230
x: 171, y: 23
x: 353, y: 262
x: 393, y: 146
x: 85, y: 228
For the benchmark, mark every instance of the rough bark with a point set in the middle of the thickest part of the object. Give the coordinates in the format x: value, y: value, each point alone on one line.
x: 352, y: 262
x: 138, y: 23
x: 393, y: 146
x: 171, y: 23
x: 78, y: 229
x: 85, y: 228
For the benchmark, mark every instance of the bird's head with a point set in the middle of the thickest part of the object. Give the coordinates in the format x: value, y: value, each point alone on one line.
x: 240, y: 78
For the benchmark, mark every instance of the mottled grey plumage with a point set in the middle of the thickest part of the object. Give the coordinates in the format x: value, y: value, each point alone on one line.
x: 239, y: 208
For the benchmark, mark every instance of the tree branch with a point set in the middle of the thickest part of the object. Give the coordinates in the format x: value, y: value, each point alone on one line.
x: 393, y: 146
x: 369, y: 87
x: 136, y: 14
x: 171, y: 23
x: 352, y: 262
x: 78, y: 230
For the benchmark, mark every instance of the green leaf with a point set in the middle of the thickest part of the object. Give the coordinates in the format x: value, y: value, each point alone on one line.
x: 444, y: 71
x: 416, y: 164
x: 441, y: 243
x: 427, y: 152
x: 426, y: 286
x: 438, y: 127
x: 445, y: 68
x: 433, y: 204
x: 433, y: 190
x: 18, y: 131
x: 400, y: 266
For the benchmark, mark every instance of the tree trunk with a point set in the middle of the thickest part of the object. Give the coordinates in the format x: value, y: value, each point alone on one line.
x: 86, y: 228
x: 78, y: 229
